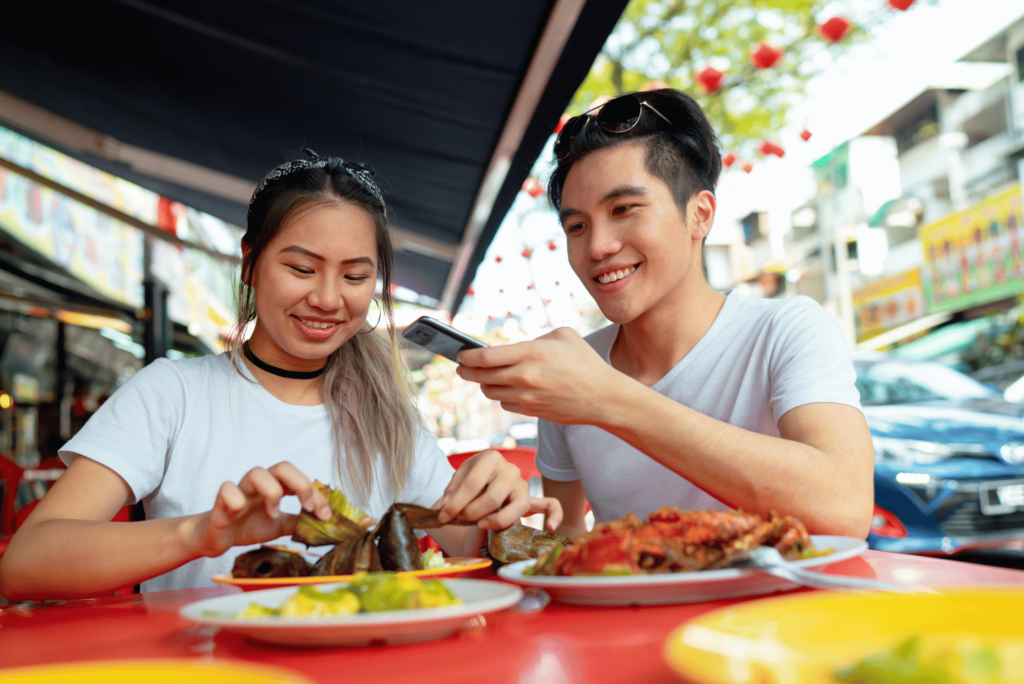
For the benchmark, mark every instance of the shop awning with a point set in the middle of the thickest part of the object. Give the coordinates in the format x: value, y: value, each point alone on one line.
x: 450, y: 102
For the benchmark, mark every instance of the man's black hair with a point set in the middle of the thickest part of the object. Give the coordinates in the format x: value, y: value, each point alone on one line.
x: 684, y: 155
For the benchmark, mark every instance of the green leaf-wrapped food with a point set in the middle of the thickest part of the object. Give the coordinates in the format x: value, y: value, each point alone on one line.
x: 269, y: 561
x: 397, y: 543
x: 421, y: 518
x: 346, y: 521
x: 520, y: 542
x: 354, y: 555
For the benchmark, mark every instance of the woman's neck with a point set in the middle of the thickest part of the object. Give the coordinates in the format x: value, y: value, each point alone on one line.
x: 300, y: 392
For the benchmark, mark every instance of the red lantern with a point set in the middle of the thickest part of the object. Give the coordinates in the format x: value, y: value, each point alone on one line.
x: 526, y: 252
x: 709, y: 79
x: 498, y: 259
x: 805, y: 134
x: 556, y: 282
x: 469, y: 291
x: 901, y: 5
x: 561, y: 122
x: 529, y: 306
x: 530, y: 286
x: 501, y: 291
x: 767, y: 147
x: 835, y: 29
x: 765, y: 55
x: 533, y: 188
x: 729, y: 159
x: 747, y: 167
x: 552, y: 246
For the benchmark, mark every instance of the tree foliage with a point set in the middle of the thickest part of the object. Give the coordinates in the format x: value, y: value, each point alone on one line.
x: 673, y: 40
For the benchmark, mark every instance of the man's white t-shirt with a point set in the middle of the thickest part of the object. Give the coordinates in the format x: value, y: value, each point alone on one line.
x: 760, y: 359
x: 178, y: 430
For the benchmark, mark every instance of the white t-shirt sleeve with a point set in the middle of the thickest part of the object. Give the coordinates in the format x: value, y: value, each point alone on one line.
x: 554, y: 461
x: 810, y: 360
x: 132, y: 433
x: 431, y: 472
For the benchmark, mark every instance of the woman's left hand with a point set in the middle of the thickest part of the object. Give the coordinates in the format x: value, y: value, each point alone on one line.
x: 489, y: 489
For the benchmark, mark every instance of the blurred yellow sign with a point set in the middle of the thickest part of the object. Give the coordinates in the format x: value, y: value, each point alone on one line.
x: 887, y: 303
x: 976, y: 255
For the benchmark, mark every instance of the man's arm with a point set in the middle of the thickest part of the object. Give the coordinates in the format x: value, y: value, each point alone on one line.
x: 819, y: 470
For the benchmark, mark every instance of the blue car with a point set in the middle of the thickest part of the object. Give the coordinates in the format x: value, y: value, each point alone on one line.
x: 949, y: 458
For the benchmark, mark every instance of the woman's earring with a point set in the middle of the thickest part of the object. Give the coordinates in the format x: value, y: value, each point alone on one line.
x: 380, y: 314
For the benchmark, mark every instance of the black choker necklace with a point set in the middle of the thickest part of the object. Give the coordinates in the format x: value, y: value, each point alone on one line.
x: 274, y: 370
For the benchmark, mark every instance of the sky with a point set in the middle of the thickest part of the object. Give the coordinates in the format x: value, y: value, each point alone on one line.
x: 909, y: 51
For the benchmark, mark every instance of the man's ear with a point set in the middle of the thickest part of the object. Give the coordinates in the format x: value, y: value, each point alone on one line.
x: 701, y: 212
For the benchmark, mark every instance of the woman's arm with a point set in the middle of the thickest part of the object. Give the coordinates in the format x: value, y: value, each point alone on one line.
x: 489, y: 489
x: 68, y: 549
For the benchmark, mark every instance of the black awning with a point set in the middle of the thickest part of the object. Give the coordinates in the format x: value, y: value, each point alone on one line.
x: 421, y: 90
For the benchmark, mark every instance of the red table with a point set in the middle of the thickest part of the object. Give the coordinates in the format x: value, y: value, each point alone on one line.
x: 561, y: 644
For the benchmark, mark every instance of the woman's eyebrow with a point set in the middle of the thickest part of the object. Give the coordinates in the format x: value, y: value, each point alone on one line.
x: 302, y: 250
x: 314, y: 255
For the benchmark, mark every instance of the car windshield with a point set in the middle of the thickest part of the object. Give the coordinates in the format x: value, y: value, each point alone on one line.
x: 895, y: 382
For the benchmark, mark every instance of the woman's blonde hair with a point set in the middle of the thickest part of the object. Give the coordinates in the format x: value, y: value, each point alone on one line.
x: 364, y: 387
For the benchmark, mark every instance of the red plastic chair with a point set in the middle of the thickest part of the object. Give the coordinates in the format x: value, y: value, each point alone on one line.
x: 522, y: 457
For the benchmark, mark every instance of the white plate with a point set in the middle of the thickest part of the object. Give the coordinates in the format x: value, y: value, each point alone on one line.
x: 682, y: 587
x: 394, y: 627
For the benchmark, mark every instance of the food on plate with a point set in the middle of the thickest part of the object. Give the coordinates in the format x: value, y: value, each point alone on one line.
x: 434, y: 560
x: 520, y: 542
x: 674, y: 541
x: 354, y: 555
x: 271, y: 561
x: 388, y: 591
x: 399, y: 548
x: 367, y: 593
x: 360, y: 543
x: 952, y: 659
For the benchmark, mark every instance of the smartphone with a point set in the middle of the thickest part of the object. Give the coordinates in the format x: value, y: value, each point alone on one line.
x: 440, y: 338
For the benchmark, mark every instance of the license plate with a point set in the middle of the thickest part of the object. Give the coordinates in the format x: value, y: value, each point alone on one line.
x: 1002, y: 499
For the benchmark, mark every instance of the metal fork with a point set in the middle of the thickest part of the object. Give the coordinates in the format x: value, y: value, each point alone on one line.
x: 768, y: 559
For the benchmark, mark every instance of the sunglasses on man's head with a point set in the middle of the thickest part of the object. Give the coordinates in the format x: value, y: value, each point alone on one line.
x: 615, y: 116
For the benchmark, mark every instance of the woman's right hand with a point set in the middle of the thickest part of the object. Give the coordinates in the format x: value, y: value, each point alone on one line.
x: 248, y: 513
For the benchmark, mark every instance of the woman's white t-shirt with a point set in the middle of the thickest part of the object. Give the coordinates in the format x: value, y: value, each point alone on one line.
x: 178, y: 430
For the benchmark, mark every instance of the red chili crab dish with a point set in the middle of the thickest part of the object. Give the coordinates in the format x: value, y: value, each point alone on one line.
x: 675, y: 541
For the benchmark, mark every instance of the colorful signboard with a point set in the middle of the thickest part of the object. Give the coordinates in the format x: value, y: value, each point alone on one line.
x: 887, y: 303
x: 975, y: 256
x: 97, y: 249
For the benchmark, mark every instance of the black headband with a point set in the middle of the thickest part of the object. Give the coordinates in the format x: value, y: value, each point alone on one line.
x: 362, y: 173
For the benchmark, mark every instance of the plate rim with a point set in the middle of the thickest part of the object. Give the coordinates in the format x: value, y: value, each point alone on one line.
x: 513, y: 571
x: 286, y: 675
x: 673, y: 640
x: 509, y: 596
x: 226, y: 579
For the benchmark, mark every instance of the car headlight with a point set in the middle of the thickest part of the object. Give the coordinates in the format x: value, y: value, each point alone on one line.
x: 917, y: 452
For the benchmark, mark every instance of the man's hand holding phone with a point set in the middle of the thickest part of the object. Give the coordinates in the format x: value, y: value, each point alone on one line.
x: 558, y: 377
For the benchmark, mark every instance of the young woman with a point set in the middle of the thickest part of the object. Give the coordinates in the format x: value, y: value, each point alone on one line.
x: 315, y: 393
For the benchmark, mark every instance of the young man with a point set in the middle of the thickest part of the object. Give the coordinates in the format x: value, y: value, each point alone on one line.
x: 691, y: 398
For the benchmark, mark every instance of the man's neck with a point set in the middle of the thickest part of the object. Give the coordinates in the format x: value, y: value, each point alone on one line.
x: 651, y: 345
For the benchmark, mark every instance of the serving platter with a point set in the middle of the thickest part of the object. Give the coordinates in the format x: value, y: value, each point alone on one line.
x: 803, y: 639
x: 479, y: 597
x: 457, y: 567
x: 683, y: 587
